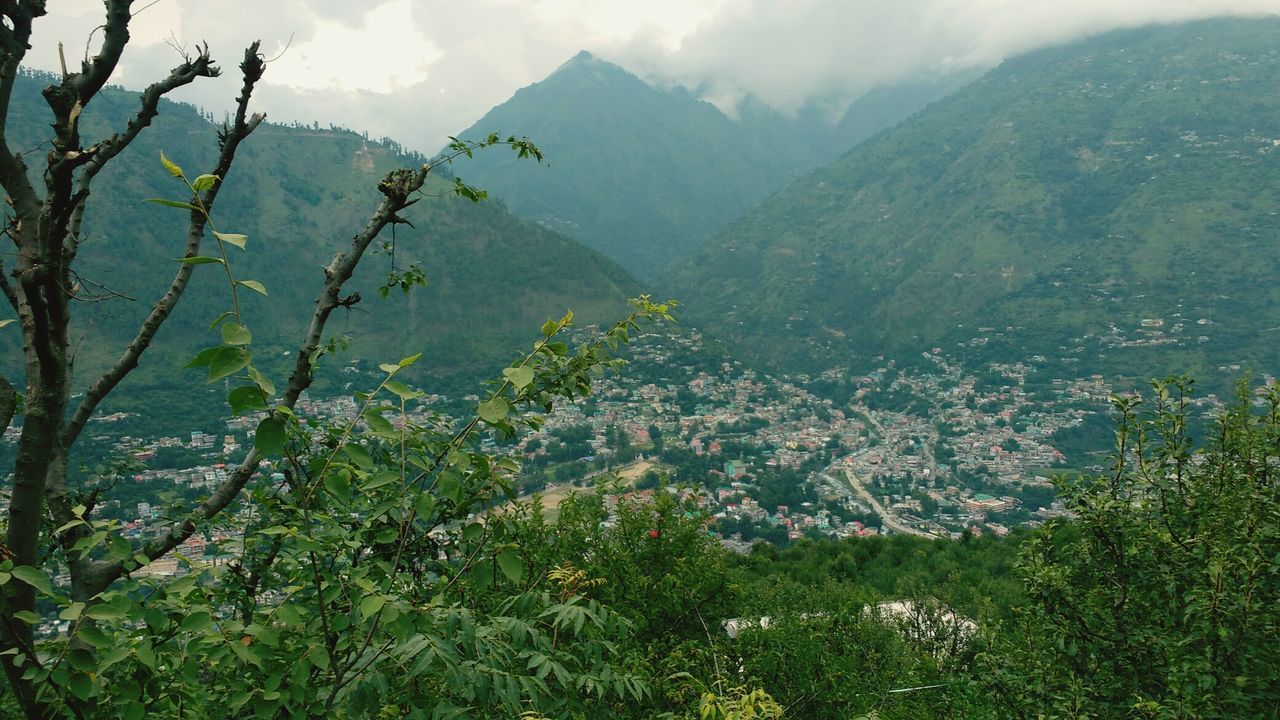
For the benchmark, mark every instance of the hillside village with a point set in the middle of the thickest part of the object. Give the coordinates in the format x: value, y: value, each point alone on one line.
x: 934, y: 450
x: 939, y: 454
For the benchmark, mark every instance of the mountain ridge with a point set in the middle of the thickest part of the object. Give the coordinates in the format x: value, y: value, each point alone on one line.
x: 299, y: 193
x: 1047, y: 201
x: 644, y: 173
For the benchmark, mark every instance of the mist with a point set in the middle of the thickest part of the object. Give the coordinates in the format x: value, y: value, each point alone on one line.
x: 789, y: 54
x: 420, y: 70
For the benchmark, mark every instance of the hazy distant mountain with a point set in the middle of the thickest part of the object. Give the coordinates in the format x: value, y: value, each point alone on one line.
x: 300, y: 193
x: 1113, y: 201
x: 645, y: 174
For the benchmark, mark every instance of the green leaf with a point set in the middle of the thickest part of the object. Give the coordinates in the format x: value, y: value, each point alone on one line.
x: 511, y: 565
x: 240, y: 698
x: 253, y: 285
x: 494, y: 411
x: 472, y: 532
x: 204, y: 182
x: 262, y: 381
x: 27, y: 617
x: 451, y: 486
x: 424, y: 505
x: 169, y: 165
x: 81, y: 686
x: 220, y: 318
x: 113, y: 656
x: 145, y: 654
x: 232, y: 239
x: 104, y: 612
x: 199, y: 260
x: 359, y: 456
x: 173, y: 203
x: 482, y: 575
x: 228, y: 360
x: 406, y: 362
x: 520, y: 377
x: 203, y: 357
x: 95, y: 637
x: 377, y: 423
x: 550, y: 327
x: 118, y: 548
x: 246, y: 398
x: 386, y: 477
x: 245, y: 655
x: 67, y: 525
x: 338, y: 482
x: 402, y: 390
x: 198, y: 621
x: 33, y: 577
x: 233, y: 333
x: 270, y: 436
x: 318, y: 657
x: 72, y: 612
x: 371, y: 605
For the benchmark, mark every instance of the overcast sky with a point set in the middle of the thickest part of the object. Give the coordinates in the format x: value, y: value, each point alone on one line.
x: 418, y: 70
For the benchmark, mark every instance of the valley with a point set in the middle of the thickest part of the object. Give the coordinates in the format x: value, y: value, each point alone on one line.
x: 931, y: 448
x: 965, y: 405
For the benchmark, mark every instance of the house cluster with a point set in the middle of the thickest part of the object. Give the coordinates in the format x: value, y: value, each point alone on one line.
x: 954, y: 427
x: 917, y: 456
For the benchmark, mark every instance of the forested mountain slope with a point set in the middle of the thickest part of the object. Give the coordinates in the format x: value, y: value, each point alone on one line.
x: 300, y: 193
x: 1112, y: 202
x: 645, y: 174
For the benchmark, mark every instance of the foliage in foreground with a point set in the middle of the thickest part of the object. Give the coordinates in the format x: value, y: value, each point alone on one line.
x: 356, y: 596
x: 1162, y: 598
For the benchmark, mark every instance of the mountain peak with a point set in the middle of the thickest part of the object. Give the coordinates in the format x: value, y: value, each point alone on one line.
x: 582, y: 60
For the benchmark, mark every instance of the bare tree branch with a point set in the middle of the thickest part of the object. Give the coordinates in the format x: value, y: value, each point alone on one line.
x: 396, y: 188
x: 102, y: 153
x: 8, y: 404
x: 230, y: 138
x: 7, y: 288
x: 82, y: 86
x: 97, y: 576
x: 14, y: 37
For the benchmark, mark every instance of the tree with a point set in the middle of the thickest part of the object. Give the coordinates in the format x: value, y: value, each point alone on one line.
x: 315, y: 598
x: 655, y: 436
x: 1161, y: 599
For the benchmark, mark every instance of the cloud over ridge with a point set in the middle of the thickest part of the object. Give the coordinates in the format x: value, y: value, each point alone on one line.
x: 418, y: 70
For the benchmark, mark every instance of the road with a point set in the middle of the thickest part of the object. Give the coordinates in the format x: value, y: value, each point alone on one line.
x: 889, y: 520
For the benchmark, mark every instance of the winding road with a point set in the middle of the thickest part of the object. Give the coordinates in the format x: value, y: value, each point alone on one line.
x: 889, y: 519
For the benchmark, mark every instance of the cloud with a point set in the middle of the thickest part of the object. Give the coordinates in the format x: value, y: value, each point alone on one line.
x: 789, y: 53
x: 418, y: 70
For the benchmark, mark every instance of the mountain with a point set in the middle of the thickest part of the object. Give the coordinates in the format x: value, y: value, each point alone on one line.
x: 1109, y: 204
x: 300, y: 193
x: 645, y: 174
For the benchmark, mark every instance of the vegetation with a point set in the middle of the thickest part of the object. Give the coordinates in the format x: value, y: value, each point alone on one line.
x: 1064, y: 194
x: 356, y: 550
x: 646, y: 174
x: 378, y: 566
x: 294, y: 188
x: 1160, y: 599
